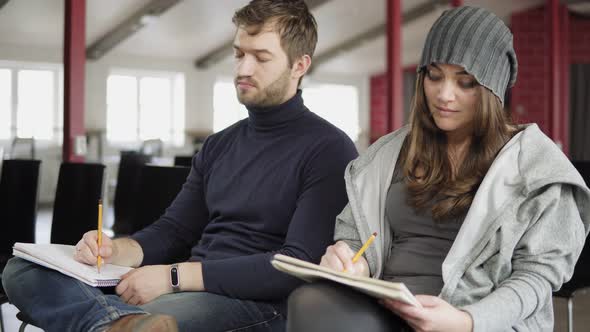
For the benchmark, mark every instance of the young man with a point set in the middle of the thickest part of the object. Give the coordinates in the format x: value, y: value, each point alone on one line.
x: 272, y: 183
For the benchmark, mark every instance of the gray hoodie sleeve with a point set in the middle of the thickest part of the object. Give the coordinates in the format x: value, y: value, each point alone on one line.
x: 346, y: 229
x: 543, y: 260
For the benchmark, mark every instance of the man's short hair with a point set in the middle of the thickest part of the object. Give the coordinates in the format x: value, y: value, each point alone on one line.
x: 296, y: 26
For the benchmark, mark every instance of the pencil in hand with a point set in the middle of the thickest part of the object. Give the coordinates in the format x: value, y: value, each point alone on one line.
x: 363, y: 248
x: 99, y: 259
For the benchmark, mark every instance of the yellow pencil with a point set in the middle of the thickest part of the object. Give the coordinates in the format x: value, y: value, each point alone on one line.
x: 363, y: 248
x: 99, y: 259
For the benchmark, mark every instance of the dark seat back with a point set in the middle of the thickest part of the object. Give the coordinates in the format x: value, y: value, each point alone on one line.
x: 19, y: 184
x: 75, y: 210
x: 158, y: 186
x: 581, y: 277
x: 181, y: 160
x: 126, y: 190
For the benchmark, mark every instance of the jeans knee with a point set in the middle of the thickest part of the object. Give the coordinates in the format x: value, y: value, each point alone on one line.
x: 12, y: 272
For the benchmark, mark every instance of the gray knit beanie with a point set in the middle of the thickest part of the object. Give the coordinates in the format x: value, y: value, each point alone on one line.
x: 476, y: 40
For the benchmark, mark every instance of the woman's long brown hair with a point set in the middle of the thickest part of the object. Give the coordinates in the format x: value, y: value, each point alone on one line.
x: 430, y: 180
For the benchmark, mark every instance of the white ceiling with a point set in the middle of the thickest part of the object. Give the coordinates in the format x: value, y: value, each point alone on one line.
x: 192, y: 28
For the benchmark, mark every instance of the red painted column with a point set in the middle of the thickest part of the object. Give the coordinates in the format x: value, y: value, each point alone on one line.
x: 565, y: 78
x: 394, y: 67
x: 74, y: 62
x: 554, y: 86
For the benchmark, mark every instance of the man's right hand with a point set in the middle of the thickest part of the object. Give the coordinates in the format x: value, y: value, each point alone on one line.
x: 87, y: 249
x: 339, y: 257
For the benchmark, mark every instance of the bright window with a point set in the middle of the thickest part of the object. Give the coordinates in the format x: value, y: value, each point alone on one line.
x: 338, y: 104
x: 5, y: 103
x: 227, y: 110
x: 36, y: 101
x: 30, y: 100
x: 145, y: 106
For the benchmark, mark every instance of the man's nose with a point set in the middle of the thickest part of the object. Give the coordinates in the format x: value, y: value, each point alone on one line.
x: 245, y: 66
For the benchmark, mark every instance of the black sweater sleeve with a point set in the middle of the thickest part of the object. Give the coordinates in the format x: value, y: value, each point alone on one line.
x: 171, y: 237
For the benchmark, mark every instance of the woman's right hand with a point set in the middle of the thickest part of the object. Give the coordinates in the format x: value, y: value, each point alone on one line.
x: 339, y: 257
x: 87, y: 248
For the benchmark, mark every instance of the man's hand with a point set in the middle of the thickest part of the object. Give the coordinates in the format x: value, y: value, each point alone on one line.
x: 87, y: 248
x: 339, y: 257
x: 121, y: 251
x: 144, y: 284
x: 435, y: 315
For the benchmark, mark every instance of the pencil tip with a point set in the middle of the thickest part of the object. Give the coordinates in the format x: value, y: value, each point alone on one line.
x: 375, y: 234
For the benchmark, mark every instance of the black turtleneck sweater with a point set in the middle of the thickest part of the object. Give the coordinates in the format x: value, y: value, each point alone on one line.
x: 271, y: 183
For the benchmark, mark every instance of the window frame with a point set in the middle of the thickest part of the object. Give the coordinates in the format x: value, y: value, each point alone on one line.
x: 177, y: 106
x: 57, y: 72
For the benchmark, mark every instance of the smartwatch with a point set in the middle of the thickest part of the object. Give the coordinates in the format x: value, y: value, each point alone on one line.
x: 174, y: 280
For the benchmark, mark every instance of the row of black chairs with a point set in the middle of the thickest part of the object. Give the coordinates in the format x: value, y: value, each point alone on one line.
x: 79, y: 188
x: 144, y: 191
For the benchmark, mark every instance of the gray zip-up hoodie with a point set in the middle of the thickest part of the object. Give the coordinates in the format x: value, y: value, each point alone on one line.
x: 519, y: 241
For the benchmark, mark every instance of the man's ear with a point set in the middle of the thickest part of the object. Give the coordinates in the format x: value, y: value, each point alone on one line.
x: 300, y: 66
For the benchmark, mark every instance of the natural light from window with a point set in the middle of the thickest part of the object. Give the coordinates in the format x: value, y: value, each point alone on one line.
x: 338, y: 104
x: 121, y: 108
x: 143, y: 106
x: 5, y: 101
x: 36, y: 103
x: 227, y: 110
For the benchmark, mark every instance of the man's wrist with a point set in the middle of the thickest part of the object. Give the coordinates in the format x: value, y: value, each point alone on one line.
x: 191, y: 276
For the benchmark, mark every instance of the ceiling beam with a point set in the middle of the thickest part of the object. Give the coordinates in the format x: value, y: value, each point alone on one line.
x: 226, y: 49
x: 128, y: 27
x: 376, y: 32
x: 2, y: 3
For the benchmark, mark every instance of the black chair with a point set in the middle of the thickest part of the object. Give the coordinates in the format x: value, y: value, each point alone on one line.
x: 18, y: 202
x: 181, y: 160
x: 580, y: 282
x: 158, y: 186
x: 130, y: 165
x: 75, y: 209
x: 153, y: 147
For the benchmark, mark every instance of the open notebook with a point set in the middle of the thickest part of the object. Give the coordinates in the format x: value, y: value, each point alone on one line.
x: 373, y: 287
x: 60, y: 257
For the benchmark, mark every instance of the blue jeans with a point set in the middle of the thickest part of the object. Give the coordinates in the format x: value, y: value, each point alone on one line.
x: 57, y: 302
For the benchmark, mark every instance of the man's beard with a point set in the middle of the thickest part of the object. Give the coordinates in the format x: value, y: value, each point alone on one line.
x: 272, y: 95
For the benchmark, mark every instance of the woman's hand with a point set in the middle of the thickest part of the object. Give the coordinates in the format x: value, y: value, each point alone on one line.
x: 435, y: 315
x: 339, y: 257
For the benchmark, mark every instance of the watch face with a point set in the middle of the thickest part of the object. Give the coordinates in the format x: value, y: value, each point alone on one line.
x: 174, y: 276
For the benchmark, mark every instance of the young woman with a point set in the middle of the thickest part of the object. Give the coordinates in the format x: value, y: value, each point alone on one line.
x: 484, y: 219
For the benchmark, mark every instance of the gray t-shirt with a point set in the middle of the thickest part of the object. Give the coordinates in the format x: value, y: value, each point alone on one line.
x: 419, y: 244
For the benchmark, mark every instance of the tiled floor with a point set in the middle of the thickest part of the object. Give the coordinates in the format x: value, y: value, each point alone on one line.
x: 43, y: 231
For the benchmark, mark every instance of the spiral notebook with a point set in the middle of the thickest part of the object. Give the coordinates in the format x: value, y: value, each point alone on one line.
x: 374, y: 287
x: 60, y: 257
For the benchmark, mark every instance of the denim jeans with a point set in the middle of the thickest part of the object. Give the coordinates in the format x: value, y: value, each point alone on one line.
x: 57, y: 302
